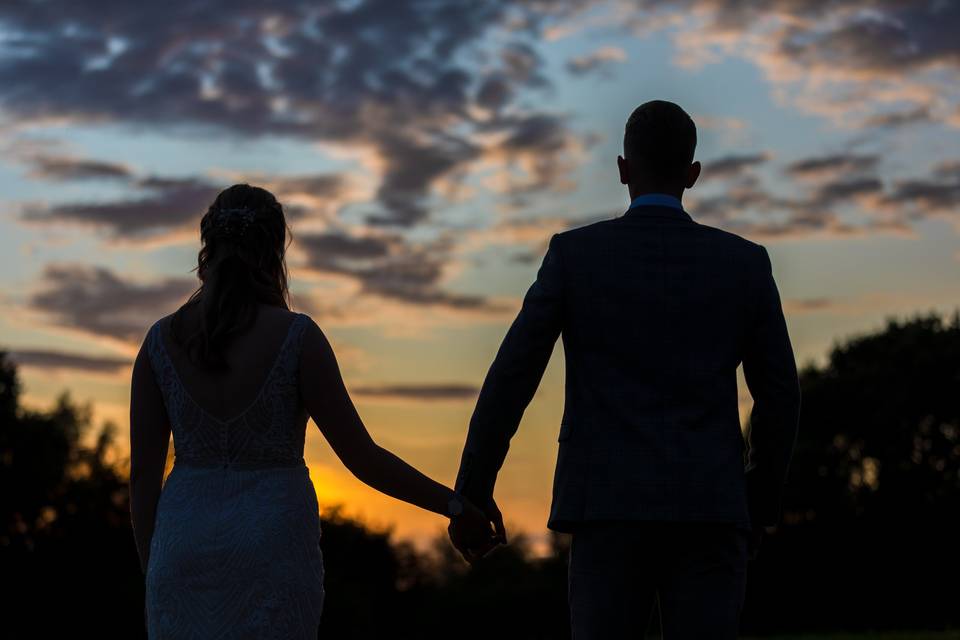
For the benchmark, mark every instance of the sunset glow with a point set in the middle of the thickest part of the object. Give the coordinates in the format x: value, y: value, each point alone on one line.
x: 425, y: 157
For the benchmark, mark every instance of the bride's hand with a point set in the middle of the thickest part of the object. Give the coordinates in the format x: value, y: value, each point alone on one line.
x: 472, y: 533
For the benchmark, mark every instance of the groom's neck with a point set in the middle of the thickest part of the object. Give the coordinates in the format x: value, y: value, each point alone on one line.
x: 642, y: 189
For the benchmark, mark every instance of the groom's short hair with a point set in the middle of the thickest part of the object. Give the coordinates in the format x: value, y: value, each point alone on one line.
x: 659, y: 140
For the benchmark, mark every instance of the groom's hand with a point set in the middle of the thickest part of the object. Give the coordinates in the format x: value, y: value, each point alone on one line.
x: 471, y: 533
x: 492, y: 512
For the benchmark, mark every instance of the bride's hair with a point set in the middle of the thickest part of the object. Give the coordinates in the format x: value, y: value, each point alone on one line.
x: 241, y: 264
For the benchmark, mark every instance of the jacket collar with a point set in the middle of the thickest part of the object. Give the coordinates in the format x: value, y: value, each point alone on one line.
x: 643, y: 211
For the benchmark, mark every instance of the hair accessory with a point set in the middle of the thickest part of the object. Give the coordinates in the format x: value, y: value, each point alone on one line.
x: 234, y: 221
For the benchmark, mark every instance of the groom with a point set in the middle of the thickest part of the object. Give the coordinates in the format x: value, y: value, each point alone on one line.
x: 656, y: 311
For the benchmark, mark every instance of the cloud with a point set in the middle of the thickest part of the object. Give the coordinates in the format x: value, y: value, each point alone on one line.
x: 896, y: 37
x: 843, y: 61
x: 924, y: 197
x: 48, y: 359
x: 895, y: 119
x: 399, y: 80
x: 494, y: 92
x: 170, y: 205
x: 532, y: 153
x: 859, y: 304
x: 807, y: 305
x: 833, y: 192
x: 732, y: 166
x: 387, y: 265
x: 382, y: 264
x: 830, y: 165
x: 531, y: 233
x: 321, y: 185
x: 826, y: 224
x: 734, y: 201
x: 846, y: 206
x: 424, y: 392
x: 62, y: 168
x: 308, y: 196
x: 599, y: 61
x: 98, y: 301
x: 412, y: 167
x: 937, y: 194
x: 523, y: 65
x: 847, y: 63
x: 748, y: 208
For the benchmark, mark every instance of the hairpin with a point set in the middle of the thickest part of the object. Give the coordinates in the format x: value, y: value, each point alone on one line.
x: 233, y: 221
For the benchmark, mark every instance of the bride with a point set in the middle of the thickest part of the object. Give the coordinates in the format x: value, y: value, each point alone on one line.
x: 231, y: 543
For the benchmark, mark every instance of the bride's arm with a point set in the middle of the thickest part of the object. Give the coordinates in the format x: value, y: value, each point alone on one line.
x: 329, y: 404
x: 149, y: 441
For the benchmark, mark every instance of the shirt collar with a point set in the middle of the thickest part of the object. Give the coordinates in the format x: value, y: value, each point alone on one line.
x: 657, y: 199
x: 657, y: 205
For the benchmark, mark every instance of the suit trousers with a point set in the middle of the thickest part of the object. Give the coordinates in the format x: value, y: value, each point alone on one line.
x: 617, y: 570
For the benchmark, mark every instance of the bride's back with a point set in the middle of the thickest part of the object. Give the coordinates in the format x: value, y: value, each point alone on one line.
x: 248, y: 415
x: 250, y: 355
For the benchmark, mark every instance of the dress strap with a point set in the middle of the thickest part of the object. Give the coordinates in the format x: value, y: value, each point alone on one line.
x: 155, y: 353
x: 292, y: 356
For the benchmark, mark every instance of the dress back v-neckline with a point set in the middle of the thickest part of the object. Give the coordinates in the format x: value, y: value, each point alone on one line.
x: 276, y: 361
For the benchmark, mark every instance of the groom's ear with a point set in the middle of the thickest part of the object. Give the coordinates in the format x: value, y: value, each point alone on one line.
x: 624, y: 168
x: 693, y: 172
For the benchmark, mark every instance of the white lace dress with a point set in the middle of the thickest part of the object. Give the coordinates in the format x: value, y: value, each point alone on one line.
x: 235, y: 551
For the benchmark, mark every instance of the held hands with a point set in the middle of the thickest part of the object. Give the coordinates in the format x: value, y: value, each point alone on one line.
x: 471, y: 532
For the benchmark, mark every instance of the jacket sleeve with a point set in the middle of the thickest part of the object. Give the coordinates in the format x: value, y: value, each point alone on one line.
x: 512, y: 379
x: 770, y: 372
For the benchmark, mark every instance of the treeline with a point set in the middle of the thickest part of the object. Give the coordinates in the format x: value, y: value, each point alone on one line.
x: 869, y: 538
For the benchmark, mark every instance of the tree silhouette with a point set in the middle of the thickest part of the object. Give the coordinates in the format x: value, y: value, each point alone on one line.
x: 868, y: 540
x: 65, y: 541
x: 873, y: 496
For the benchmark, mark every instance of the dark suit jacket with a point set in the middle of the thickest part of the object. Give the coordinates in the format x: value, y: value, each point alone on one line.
x: 656, y: 313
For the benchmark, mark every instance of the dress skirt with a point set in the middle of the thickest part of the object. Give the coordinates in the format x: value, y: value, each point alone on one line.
x: 235, y: 553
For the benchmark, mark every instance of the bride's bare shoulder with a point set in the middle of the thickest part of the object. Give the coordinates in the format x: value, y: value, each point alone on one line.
x: 312, y: 331
x: 316, y: 348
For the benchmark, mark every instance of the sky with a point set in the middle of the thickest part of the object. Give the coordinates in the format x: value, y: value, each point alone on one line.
x: 425, y: 152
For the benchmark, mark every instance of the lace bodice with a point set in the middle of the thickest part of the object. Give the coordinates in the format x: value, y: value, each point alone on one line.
x: 269, y: 432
